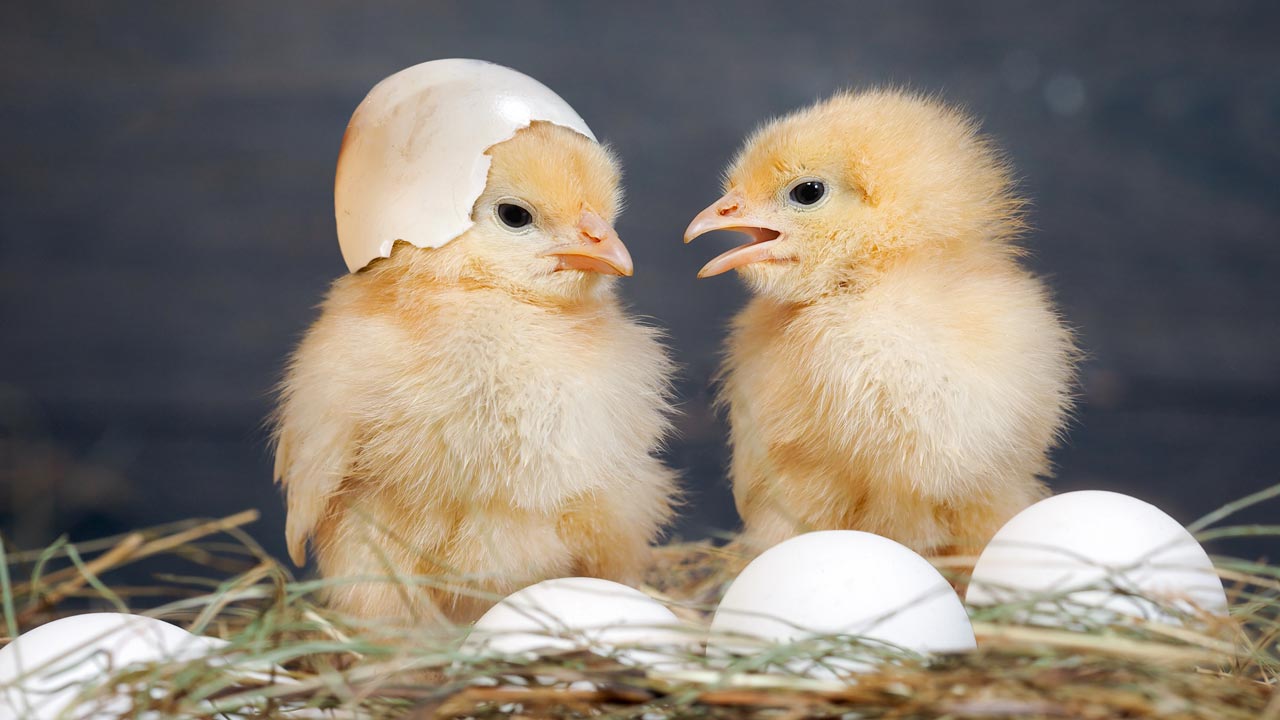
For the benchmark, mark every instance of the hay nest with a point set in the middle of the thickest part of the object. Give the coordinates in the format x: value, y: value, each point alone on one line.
x: 219, y: 582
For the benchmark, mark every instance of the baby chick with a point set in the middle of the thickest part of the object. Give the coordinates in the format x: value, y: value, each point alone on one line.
x: 897, y: 371
x: 485, y: 411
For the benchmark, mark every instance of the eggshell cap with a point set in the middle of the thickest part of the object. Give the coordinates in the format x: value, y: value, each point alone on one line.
x: 413, y: 160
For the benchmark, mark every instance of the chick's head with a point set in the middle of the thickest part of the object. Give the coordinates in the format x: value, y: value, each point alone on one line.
x: 543, y: 225
x: 834, y: 190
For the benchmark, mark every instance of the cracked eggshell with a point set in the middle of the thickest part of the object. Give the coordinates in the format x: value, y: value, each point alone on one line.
x: 413, y: 160
x: 1092, y: 557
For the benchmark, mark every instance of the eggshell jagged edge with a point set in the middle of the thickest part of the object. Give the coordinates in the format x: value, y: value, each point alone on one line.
x: 413, y: 160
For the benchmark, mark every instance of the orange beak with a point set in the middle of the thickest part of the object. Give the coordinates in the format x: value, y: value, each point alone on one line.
x: 727, y: 213
x: 599, y: 250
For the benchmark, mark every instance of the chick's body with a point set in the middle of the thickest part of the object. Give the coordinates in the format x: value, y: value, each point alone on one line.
x: 897, y: 371
x: 920, y: 409
x: 471, y: 413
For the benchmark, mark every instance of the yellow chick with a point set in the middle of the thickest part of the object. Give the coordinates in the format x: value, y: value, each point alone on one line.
x: 897, y: 371
x: 485, y: 411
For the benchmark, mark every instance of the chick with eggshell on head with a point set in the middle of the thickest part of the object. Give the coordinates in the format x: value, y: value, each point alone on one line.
x: 417, y: 156
x: 473, y: 403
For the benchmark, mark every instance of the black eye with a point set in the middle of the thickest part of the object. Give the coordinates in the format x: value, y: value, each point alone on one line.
x: 514, y: 216
x: 808, y: 192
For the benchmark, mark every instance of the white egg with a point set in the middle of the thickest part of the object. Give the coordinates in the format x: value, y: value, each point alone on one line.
x: 840, y: 583
x: 43, y: 670
x: 413, y: 160
x: 582, y: 614
x: 1095, y: 557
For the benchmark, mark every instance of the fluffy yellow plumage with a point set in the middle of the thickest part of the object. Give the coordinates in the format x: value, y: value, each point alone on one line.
x: 897, y: 371
x: 486, y: 410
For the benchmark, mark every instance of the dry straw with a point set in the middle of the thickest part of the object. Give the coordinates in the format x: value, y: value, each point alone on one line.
x: 291, y: 657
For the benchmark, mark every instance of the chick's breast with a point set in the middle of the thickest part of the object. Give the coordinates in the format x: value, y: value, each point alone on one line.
x: 477, y: 437
x: 921, y: 409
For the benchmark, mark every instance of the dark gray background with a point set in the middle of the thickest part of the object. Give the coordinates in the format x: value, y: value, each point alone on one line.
x: 166, y: 223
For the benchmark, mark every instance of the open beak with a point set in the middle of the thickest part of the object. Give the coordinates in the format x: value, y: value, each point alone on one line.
x: 728, y: 213
x: 599, y: 249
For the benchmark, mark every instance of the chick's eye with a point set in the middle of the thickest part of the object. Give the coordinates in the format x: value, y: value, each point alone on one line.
x: 514, y: 216
x: 808, y: 192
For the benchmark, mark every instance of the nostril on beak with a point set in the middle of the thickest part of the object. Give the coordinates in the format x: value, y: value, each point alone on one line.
x: 592, y: 229
x: 724, y: 210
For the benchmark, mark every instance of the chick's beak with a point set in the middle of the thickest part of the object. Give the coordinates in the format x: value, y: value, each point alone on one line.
x: 598, y: 250
x: 729, y: 213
